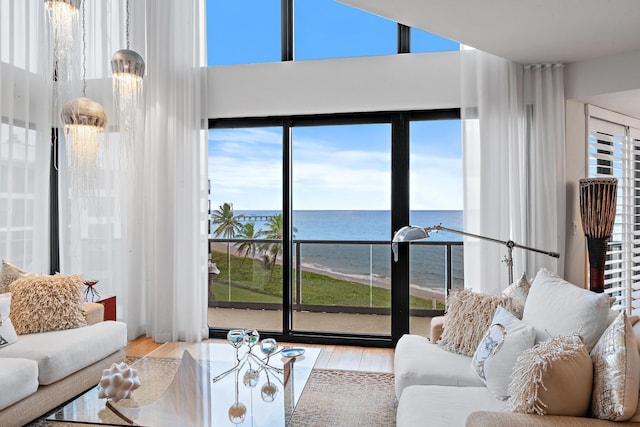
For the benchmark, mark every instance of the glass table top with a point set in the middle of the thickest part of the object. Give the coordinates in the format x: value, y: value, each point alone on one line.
x: 206, y: 387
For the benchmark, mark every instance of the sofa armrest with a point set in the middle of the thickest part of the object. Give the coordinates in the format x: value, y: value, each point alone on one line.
x: 94, y: 312
x: 509, y: 419
x: 437, y: 326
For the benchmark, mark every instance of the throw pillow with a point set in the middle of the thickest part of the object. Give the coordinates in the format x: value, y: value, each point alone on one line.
x: 7, y: 332
x: 553, y: 377
x: 468, y: 317
x: 494, y: 358
x: 47, y: 303
x: 616, y: 376
x: 518, y: 292
x: 9, y: 273
x: 556, y: 307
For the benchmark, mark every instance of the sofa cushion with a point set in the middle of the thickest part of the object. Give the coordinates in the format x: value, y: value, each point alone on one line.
x: 19, y: 379
x: 443, y: 406
x: 418, y: 361
x: 518, y: 292
x: 7, y: 332
x: 555, y: 308
x: 9, y: 273
x: 469, y: 315
x: 554, y: 377
x: 616, y: 366
x: 61, y: 353
x: 506, y: 338
x: 47, y: 303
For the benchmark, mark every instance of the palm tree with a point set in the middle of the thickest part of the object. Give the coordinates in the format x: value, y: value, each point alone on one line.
x: 228, y: 227
x: 228, y: 222
x: 274, y: 231
x: 247, y: 231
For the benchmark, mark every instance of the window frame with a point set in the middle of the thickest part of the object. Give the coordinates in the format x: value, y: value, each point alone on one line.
x: 400, y: 155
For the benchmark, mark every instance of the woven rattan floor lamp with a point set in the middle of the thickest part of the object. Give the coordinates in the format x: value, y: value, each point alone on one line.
x: 598, y: 210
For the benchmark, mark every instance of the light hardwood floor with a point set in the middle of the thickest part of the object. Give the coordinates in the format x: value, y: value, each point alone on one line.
x: 350, y: 358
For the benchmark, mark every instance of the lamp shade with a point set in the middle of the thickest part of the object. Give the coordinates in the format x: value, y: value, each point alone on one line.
x: 407, y: 233
x: 83, y: 112
x: 598, y: 197
x: 126, y: 61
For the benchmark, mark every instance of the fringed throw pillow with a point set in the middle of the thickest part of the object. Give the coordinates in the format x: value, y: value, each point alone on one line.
x: 468, y: 317
x: 553, y: 378
x: 616, y: 376
x: 47, y: 303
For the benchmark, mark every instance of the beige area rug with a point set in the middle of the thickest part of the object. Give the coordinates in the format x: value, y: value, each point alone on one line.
x: 330, y: 398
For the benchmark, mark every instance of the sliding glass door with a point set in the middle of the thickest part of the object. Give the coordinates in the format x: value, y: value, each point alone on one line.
x: 341, y: 186
x: 302, y: 213
x: 245, y: 228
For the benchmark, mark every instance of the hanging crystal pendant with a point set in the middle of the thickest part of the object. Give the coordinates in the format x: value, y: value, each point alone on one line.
x: 64, y: 28
x: 84, y: 121
x: 128, y: 71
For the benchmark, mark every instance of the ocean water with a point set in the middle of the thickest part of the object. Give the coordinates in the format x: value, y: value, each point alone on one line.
x: 428, y: 263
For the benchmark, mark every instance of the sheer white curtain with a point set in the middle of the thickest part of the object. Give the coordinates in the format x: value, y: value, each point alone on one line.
x: 513, y: 156
x: 25, y: 135
x: 175, y: 185
x: 143, y: 235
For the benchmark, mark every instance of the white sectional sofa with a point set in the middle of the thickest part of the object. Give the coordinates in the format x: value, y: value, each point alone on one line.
x: 43, y: 370
x: 436, y: 387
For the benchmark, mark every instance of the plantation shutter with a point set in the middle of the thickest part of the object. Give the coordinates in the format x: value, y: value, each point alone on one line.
x: 614, y: 150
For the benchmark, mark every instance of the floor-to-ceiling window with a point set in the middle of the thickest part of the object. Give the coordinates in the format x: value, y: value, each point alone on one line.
x: 327, y: 270
x: 245, y: 221
x: 435, y: 199
x: 341, y: 187
x: 301, y: 220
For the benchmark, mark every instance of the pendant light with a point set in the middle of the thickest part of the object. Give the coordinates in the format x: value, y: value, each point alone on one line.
x: 84, y: 121
x: 63, y: 26
x: 128, y: 70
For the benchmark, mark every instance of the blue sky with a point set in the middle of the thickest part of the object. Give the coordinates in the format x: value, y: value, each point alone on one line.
x: 334, y: 167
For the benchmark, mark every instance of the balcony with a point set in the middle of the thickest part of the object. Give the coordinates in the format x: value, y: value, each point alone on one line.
x: 338, y: 286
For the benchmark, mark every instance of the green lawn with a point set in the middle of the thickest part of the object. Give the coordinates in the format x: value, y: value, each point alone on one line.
x: 252, y: 281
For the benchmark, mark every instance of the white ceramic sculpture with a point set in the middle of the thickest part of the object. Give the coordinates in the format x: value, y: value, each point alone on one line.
x: 118, y: 382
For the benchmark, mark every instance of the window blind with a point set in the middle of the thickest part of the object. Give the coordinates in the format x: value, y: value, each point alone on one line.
x: 614, y: 150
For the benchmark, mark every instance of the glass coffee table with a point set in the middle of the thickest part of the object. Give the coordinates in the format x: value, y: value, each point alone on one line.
x: 204, y: 387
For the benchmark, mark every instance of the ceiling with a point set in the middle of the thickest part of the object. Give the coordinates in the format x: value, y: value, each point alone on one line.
x: 530, y: 31
x: 524, y: 31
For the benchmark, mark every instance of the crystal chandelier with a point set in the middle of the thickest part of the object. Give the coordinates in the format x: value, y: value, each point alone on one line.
x: 63, y: 22
x: 128, y: 71
x: 84, y: 121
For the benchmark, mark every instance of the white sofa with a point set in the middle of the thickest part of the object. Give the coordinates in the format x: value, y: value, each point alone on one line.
x: 44, y: 370
x: 436, y: 387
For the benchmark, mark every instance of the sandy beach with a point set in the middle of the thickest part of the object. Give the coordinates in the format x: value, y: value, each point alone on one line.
x: 378, y: 282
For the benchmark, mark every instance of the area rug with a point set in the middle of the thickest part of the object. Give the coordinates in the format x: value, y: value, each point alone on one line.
x: 330, y: 398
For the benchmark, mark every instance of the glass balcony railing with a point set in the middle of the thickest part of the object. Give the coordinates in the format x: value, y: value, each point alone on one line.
x: 330, y: 276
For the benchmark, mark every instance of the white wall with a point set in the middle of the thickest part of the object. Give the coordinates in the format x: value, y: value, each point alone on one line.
x: 375, y: 83
x: 575, y: 262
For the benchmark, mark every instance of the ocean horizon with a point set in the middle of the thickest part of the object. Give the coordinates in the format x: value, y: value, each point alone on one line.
x: 428, y: 262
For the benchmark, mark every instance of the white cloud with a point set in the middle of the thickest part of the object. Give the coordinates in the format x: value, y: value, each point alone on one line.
x: 245, y: 169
